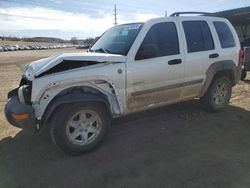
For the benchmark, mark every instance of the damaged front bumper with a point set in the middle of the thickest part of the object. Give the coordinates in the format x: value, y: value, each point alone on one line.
x: 19, y: 114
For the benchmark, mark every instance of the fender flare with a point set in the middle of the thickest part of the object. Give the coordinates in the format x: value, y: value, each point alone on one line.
x: 77, y: 97
x: 226, y: 65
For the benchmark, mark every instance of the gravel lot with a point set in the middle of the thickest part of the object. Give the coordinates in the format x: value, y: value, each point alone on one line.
x: 177, y: 146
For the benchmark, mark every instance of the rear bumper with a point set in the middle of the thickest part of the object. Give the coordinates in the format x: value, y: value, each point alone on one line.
x: 20, y: 115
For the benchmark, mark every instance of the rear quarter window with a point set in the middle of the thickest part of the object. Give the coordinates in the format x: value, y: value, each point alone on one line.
x: 225, y: 35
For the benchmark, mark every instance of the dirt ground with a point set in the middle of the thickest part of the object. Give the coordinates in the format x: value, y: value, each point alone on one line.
x: 178, y: 146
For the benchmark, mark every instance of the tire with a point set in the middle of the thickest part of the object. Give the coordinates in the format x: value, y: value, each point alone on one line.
x: 218, y: 94
x: 79, y: 128
x: 243, y: 74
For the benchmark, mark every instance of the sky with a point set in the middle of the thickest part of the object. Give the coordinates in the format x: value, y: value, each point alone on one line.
x: 89, y: 18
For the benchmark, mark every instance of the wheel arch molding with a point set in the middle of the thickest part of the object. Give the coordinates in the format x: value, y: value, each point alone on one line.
x: 74, y: 97
x: 227, y: 68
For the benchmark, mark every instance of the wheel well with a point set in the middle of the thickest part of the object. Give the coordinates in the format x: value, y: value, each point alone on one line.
x: 212, y: 74
x: 79, y: 94
x: 48, y: 119
x: 80, y: 89
x: 228, y: 73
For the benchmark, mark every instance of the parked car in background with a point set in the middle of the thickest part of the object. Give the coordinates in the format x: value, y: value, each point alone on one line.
x: 86, y: 46
x: 34, y: 47
x: 246, y: 65
x: 245, y: 43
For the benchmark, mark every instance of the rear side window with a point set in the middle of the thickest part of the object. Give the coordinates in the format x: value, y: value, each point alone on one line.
x: 198, y: 36
x: 225, y: 35
x: 161, y: 40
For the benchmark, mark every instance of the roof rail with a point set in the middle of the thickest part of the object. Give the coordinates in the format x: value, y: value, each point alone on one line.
x: 179, y: 13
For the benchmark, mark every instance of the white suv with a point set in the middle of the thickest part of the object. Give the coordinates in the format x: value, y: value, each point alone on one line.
x: 132, y: 67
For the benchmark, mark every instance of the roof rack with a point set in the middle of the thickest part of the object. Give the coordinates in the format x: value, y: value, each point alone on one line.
x: 179, y: 13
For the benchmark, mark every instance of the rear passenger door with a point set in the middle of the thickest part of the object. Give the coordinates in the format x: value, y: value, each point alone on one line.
x: 199, y: 53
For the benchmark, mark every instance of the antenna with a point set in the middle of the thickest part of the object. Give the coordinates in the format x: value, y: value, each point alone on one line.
x: 115, y: 14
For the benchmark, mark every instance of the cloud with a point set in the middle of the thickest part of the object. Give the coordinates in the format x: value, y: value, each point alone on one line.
x: 44, y: 18
x: 38, y: 18
x: 141, y: 17
x: 56, y: 1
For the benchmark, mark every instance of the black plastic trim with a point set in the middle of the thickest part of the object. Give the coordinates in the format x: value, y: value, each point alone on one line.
x: 227, y: 65
x: 72, y: 98
x: 14, y: 106
x: 202, y: 13
x: 13, y: 93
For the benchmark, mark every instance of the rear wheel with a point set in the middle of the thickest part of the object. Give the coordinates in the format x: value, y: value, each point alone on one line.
x: 80, y: 128
x: 218, y: 94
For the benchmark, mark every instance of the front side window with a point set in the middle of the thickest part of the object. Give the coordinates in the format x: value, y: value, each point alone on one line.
x: 225, y: 35
x: 161, y: 40
x: 198, y: 36
x: 118, y: 39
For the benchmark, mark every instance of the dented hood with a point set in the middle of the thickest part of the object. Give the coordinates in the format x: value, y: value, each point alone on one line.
x: 45, y: 64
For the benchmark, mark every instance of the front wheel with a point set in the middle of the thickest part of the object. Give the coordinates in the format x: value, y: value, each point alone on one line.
x: 79, y: 128
x: 218, y: 94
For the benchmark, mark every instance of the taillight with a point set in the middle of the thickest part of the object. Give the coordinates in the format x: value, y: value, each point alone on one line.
x: 241, y: 57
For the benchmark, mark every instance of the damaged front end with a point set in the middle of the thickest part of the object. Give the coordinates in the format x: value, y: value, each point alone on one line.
x: 67, y: 65
x: 44, y: 79
x: 18, y: 110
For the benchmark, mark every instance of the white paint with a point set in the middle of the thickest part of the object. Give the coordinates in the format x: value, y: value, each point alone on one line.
x: 136, y: 76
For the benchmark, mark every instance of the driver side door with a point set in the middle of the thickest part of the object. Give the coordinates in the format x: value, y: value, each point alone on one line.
x: 156, y: 72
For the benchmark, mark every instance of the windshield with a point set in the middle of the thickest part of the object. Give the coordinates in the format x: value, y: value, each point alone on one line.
x: 117, y: 40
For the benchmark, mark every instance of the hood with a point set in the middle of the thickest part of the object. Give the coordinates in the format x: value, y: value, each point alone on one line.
x: 45, y: 64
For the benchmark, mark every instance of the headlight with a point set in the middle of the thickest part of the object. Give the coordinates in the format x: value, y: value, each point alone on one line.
x: 29, y: 73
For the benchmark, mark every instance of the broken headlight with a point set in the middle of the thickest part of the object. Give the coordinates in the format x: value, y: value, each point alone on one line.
x: 29, y: 73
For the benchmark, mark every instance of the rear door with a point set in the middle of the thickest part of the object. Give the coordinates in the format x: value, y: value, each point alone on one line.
x: 200, y: 52
x: 155, y: 66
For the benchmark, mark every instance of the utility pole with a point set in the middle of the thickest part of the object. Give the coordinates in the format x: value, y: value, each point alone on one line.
x: 166, y: 13
x: 115, y: 14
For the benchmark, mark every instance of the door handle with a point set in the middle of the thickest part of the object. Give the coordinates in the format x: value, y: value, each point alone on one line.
x: 174, y: 61
x: 213, y: 55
